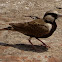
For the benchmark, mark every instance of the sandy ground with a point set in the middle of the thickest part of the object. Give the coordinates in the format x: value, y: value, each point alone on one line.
x: 14, y: 46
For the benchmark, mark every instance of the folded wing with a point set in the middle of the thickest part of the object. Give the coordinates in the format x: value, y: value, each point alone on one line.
x: 36, y: 28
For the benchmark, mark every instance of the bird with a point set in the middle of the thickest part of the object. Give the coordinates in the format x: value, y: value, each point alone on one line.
x: 38, y: 28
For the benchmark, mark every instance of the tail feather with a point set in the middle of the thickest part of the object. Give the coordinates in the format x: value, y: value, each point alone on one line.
x: 2, y: 29
x: 8, y: 28
x: 13, y: 26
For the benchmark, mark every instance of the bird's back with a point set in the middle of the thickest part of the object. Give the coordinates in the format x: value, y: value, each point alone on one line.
x: 35, y: 28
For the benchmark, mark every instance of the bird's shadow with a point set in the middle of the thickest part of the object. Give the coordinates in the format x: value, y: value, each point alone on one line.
x: 26, y: 47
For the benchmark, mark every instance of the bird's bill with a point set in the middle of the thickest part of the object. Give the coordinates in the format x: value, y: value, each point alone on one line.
x: 59, y: 15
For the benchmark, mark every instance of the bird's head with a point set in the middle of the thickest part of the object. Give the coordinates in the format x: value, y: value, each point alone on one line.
x: 51, y: 16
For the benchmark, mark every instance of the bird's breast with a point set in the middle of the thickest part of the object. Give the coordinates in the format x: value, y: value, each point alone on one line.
x: 49, y: 26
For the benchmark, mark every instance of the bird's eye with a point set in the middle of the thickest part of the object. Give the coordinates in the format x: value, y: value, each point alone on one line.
x: 53, y: 15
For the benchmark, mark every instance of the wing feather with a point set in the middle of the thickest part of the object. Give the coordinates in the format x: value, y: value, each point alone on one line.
x: 35, y: 28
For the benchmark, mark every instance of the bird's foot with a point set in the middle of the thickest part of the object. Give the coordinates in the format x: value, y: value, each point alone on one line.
x: 43, y: 43
x: 46, y: 46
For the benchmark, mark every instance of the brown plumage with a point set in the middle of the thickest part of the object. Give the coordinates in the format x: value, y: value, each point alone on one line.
x: 38, y: 28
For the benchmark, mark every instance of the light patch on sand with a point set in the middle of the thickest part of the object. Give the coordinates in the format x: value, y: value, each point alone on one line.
x: 57, y: 0
x: 27, y: 8
x: 23, y: 1
x: 19, y: 2
x: 2, y: 4
x: 31, y: 4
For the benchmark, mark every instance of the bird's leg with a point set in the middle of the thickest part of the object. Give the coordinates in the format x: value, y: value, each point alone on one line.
x: 33, y: 17
x: 43, y: 43
x: 32, y: 43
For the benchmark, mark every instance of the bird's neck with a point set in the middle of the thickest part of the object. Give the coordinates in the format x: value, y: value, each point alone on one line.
x: 54, y: 26
x: 50, y: 22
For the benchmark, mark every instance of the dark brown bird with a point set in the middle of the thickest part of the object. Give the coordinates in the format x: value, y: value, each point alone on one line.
x: 38, y: 28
